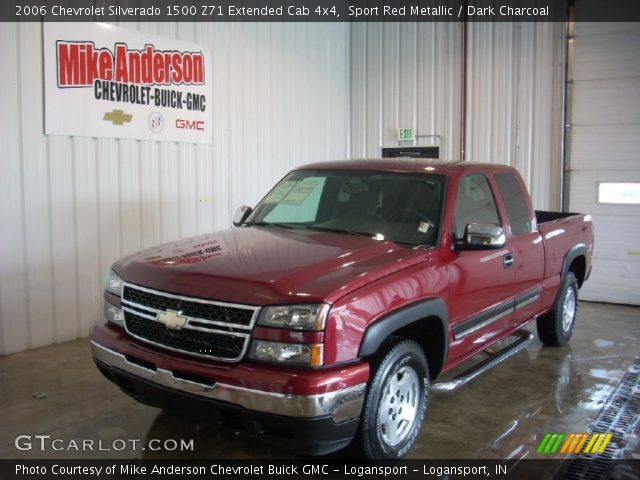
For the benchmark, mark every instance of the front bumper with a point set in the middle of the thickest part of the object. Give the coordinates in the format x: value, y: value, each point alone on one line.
x: 341, y: 405
x: 314, y: 423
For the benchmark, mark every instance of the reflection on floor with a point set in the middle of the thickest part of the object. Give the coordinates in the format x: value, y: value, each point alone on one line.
x: 504, y: 414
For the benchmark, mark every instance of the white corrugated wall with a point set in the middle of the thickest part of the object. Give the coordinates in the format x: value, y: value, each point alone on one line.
x: 284, y: 94
x: 71, y: 206
x: 604, y: 146
x: 409, y: 75
x: 405, y: 75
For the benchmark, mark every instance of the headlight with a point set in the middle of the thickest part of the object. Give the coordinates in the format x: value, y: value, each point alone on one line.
x: 114, y: 283
x: 290, y: 353
x: 113, y: 314
x: 295, y: 317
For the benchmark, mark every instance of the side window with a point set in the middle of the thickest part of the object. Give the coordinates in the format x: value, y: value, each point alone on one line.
x: 474, y: 203
x: 515, y: 201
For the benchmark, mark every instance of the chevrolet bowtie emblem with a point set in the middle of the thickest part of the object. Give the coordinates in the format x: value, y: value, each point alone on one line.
x: 117, y: 117
x: 171, y: 319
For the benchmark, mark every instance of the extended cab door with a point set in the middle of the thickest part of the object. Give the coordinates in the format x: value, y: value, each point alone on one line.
x: 526, y: 245
x: 481, y: 281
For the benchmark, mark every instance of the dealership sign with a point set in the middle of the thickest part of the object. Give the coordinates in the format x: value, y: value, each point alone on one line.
x: 105, y: 81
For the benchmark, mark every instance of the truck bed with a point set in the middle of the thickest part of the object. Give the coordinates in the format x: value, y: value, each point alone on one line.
x: 561, y: 232
x: 543, y: 216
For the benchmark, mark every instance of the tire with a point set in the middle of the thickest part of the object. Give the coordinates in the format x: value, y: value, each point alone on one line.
x: 556, y: 326
x: 396, y: 402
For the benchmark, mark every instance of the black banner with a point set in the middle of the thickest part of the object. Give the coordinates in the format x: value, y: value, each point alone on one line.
x: 315, y: 468
x: 317, y: 10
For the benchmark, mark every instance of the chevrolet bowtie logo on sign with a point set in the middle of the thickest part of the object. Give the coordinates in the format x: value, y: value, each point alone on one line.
x: 171, y: 319
x: 117, y: 117
x: 574, y: 443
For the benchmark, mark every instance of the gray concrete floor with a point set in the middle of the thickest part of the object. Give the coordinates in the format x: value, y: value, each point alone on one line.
x: 503, y: 414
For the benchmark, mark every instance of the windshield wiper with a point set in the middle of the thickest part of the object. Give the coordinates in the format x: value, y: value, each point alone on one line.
x: 341, y: 230
x: 269, y: 224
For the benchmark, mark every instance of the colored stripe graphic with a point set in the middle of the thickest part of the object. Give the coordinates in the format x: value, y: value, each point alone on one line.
x: 605, y: 443
x: 556, y: 445
x: 591, y: 443
x: 550, y: 443
x: 581, y: 443
x: 598, y: 443
x: 552, y: 440
x: 569, y: 443
x: 573, y: 442
x: 543, y: 443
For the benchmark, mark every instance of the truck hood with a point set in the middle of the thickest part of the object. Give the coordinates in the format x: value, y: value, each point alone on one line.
x: 266, y: 265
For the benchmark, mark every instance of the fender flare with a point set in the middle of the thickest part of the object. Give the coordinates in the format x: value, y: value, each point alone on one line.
x: 574, y: 252
x: 378, y: 331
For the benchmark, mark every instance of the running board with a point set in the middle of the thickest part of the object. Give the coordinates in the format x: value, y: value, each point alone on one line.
x: 523, y: 338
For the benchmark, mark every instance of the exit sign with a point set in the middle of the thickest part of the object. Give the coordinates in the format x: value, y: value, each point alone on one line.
x: 405, y: 134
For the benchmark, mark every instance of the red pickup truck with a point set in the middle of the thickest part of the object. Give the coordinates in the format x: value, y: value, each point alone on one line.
x: 328, y: 313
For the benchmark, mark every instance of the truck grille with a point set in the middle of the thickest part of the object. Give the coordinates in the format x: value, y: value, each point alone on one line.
x: 191, y: 308
x: 186, y: 340
x: 211, y: 329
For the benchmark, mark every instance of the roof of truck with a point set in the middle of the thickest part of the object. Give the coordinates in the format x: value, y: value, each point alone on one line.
x: 403, y: 164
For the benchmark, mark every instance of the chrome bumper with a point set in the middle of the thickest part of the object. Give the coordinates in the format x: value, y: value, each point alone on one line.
x: 342, y: 405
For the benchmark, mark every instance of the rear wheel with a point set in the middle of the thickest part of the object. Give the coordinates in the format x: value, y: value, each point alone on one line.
x: 556, y: 326
x: 396, y: 402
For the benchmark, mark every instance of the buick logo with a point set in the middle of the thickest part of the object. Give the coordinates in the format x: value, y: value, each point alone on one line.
x: 156, y: 122
x: 171, y: 319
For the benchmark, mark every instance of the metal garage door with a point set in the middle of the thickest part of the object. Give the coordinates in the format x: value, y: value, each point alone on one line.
x: 604, y: 153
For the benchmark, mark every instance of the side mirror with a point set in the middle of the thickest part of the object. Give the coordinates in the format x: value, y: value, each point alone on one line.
x: 482, y: 236
x: 242, y: 213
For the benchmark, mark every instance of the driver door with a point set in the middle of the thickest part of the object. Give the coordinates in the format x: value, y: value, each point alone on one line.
x: 480, y: 281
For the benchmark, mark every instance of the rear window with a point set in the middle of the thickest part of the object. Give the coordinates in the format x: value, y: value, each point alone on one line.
x: 516, y: 203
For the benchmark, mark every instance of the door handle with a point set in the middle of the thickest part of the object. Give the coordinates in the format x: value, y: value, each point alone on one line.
x: 508, y: 260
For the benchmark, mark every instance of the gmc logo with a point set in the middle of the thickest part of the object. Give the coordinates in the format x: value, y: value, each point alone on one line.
x: 190, y: 124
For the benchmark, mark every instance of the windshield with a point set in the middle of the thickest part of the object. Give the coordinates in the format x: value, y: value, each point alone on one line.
x: 402, y: 207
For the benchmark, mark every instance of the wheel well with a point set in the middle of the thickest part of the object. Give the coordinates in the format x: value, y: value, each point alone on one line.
x: 579, y: 268
x: 429, y: 334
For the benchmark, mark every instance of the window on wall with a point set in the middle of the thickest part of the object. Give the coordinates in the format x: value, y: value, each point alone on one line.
x: 619, y: 193
x: 474, y: 203
x: 515, y: 201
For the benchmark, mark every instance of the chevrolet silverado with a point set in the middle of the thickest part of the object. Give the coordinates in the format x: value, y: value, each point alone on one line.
x: 328, y: 313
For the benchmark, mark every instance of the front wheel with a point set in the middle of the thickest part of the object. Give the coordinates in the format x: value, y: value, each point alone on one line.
x: 556, y: 326
x: 396, y: 402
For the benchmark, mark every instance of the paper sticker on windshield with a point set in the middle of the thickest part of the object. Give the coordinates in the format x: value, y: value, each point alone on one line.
x: 423, y: 227
x: 299, y: 193
x: 280, y: 192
